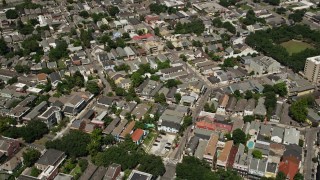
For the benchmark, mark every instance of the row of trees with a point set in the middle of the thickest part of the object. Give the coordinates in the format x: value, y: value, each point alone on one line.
x: 268, y: 42
x: 32, y: 131
x: 195, y: 26
x: 193, y: 168
x: 129, y: 155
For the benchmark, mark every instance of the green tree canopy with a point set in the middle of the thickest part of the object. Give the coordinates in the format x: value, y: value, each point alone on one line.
x: 257, y: 154
x: 12, y: 14
x: 239, y: 136
x: 93, y: 87
x: 74, y: 144
x: 30, y: 156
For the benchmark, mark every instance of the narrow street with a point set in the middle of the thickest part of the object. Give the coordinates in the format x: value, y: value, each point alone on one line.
x: 310, y: 138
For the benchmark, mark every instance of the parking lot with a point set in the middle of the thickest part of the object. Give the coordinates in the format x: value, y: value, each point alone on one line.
x: 162, y: 145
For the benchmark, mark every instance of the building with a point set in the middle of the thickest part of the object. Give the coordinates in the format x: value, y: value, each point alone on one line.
x: 8, y: 147
x: 138, y: 175
x: 224, y: 154
x: 291, y: 136
x: 113, y: 172
x: 49, y: 163
x: 171, y: 121
x: 264, y: 65
x: 210, y: 151
x: 312, y: 69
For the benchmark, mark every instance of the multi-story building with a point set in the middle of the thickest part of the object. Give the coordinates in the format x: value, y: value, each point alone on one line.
x: 312, y: 69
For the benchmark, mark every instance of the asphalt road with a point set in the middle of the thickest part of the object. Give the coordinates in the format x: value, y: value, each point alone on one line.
x: 310, y: 137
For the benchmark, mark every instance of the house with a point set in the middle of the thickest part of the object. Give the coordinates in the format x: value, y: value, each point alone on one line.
x: 55, y: 79
x: 40, y: 108
x: 192, y: 145
x: 223, y: 101
x: 135, y: 175
x: 224, y: 154
x: 257, y: 168
x: 260, y: 109
x: 51, y: 116
x: 140, y: 110
x: 127, y: 130
x: 49, y: 163
x: 137, y: 136
x: 106, y: 101
x: 8, y: 147
x: 265, y: 130
x: 13, y: 164
x: 240, y: 106
x: 276, y: 115
x: 210, y: 151
x: 113, y: 172
x: 289, y: 166
x: 277, y: 134
x: 248, y: 110
x: 201, y: 149
x: 241, y: 161
x: 74, y: 105
x: 264, y: 65
x: 170, y: 121
x: 291, y: 136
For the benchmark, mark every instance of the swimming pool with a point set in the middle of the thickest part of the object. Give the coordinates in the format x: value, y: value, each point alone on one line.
x: 250, y: 144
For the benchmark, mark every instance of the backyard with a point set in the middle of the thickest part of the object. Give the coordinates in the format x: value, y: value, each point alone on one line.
x: 294, y: 46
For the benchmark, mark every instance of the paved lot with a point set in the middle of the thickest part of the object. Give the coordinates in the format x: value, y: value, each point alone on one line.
x: 160, y: 150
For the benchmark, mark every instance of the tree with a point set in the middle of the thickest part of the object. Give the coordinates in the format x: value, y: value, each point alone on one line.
x: 209, y: 108
x: 35, y: 172
x: 239, y: 136
x: 248, y: 94
x: 84, y: 14
x: 237, y: 94
x: 93, y: 87
x: 30, y: 156
x: 83, y: 163
x: 177, y: 97
x: 96, y: 142
x: 227, y: 25
x: 172, y: 83
x: 34, y: 130
x: 281, y: 10
x: 193, y: 168
x: 298, y: 110
x: 297, y: 15
x: 281, y: 89
x: 281, y: 176
x: 4, y: 3
x: 248, y: 118
x: 4, y: 49
x: 136, y: 79
x: 298, y: 176
x: 157, y: 31
x: 273, y: 2
x: 73, y: 144
x: 160, y: 98
x: 169, y: 45
x: 257, y: 154
x: 113, y: 10
x: 12, y: 14
x: 152, y: 164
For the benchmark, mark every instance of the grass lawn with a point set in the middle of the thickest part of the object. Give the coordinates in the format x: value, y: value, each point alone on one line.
x: 76, y: 170
x: 61, y: 64
x: 294, y: 46
x: 149, y: 139
x: 245, y: 7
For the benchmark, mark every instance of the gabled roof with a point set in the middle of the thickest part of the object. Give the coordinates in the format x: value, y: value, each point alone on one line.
x: 137, y: 134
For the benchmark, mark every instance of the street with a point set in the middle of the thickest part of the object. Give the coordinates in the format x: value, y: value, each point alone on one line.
x: 310, y: 137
